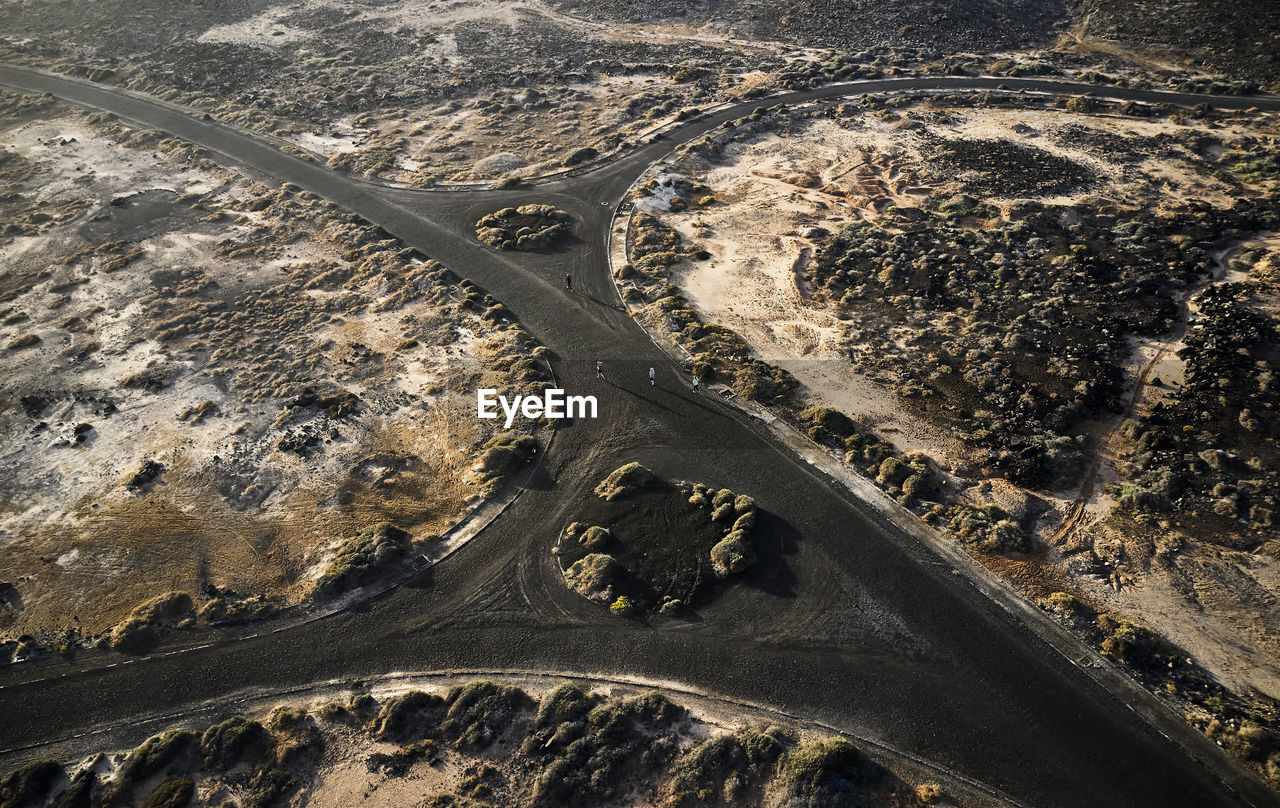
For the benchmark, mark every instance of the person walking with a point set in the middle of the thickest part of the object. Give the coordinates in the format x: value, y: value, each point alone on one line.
x: 568, y: 281
x: 651, y: 382
x: 695, y: 384
x: 599, y: 370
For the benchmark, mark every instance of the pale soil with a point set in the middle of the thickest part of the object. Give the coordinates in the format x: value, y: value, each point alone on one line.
x: 231, y: 509
x: 453, y: 141
x: 772, y: 189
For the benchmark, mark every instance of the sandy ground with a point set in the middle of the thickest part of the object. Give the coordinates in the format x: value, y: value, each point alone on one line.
x: 232, y: 508
x: 463, y: 140
x: 777, y: 193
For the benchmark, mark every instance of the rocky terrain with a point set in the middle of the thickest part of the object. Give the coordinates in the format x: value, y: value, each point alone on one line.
x: 1051, y: 332
x: 483, y: 92
x: 211, y: 386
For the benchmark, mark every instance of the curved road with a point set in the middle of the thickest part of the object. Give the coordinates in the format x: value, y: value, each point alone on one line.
x: 848, y: 619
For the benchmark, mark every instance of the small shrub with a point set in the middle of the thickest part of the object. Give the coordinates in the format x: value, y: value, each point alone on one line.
x: 146, y: 623
x: 30, y: 784
x: 580, y: 155
x: 172, y: 793
x: 820, y: 767
x: 566, y: 703
x: 169, y: 751
x: 929, y: 793
x: 595, y: 537
x: 234, y: 741
x: 625, y: 480
x: 504, y: 453
x: 362, y: 558
x: 623, y: 606
x: 733, y: 553
x: 477, y: 713
x: 407, y: 716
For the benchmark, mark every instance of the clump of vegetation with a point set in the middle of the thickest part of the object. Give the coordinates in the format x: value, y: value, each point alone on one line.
x: 362, y: 558
x: 1134, y: 644
x: 528, y: 227
x: 504, y: 453
x: 732, y: 767
x: 30, y: 784
x: 147, y: 474
x: 176, y: 792
x: 232, y: 742
x: 398, y: 763
x: 170, y: 752
x: 583, y: 749
x: 592, y: 538
x: 666, y: 544
x: 1009, y: 169
x: 594, y: 575
x: 824, y: 770
x: 1200, y: 454
x: 150, y: 620
x: 369, y: 162
x: 477, y: 713
x: 983, y: 526
x: 407, y: 716
x: 625, y: 480
x: 733, y: 553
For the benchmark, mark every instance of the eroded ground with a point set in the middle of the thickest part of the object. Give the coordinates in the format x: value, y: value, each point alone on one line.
x: 1065, y: 317
x: 209, y: 384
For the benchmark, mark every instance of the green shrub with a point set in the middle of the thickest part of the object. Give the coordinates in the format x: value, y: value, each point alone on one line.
x: 362, y: 558
x: 893, y: 471
x: 169, y: 751
x: 733, y: 553
x: 625, y: 480
x: 172, y: 793
x: 504, y: 453
x: 146, y: 623
x: 595, y: 537
x: 580, y: 155
x: 824, y: 421
x: 477, y: 713
x: 234, y: 741
x: 30, y: 784
x: 723, y: 512
x: 593, y: 575
x: 763, y: 382
x: 623, y: 606
x: 820, y: 768
x: 407, y: 716
x: 724, y: 767
x: 723, y: 497
x: 746, y: 522
x: 566, y: 703
x: 743, y: 504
